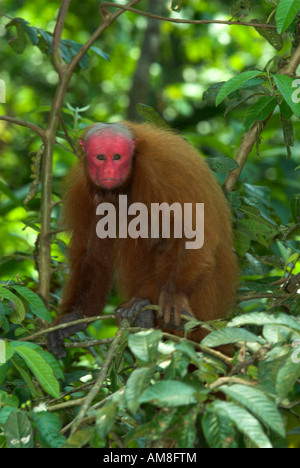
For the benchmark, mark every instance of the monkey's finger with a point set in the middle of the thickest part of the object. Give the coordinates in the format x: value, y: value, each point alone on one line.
x: 177, y: 315
x: 55, y: 345
x: 167, y: 314
x: 132, y: 311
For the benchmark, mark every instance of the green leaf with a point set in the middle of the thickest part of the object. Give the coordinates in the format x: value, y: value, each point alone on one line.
x: 100, y: 52
x: 235, y: 83
x: 80, y: 438
x: 286, y: 85
x: 285, y: 13
x: 244, y: 421
x: 169, y: 393
x: 257, y: 228
x: 288, y: 132
x: 69, y: 49
x: 287, y: 376
x: 285, y: 110
x: 271, y: 35
x: 212, y: 91
x: 17, y: 43
x: 295, y: 207
x: 144, y: 344
x: 45, y: 41
x: 106, y: 418
x: 186, y: 430
x: 136, y: 384
x: 29, y: 30
x: 262, y: 318
x: 229, y: 335
x: 2, y: 352
x: 151, y: 115
x: 35, y: 302
x: 27, y: 377
x: 18, y: 431
x: 19, y: 314
x: 218, y: 430
x: 242, y: 242
x: 222, y: 164
x: 7, y: 399
x: 41, y: 370
x: 260, y: 111
x: 259, y: 405
x: 48, y: 426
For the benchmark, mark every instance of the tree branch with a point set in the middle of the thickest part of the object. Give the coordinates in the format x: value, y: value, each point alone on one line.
x: 102, y: 374
x: 104, y: 5
x: 65, y: 325
x: 23, y: 123
x: 56, y: 41
x: 249, y: 138
x: 65, y: 72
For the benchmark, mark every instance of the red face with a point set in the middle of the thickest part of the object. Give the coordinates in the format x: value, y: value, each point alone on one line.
x: 109, y: 159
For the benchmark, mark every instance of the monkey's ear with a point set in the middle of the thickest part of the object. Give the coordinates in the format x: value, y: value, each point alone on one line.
x: 81, y: 143
x: 134, y: 142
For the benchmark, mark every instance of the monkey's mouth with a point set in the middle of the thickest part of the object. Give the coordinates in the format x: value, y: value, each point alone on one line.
x: 108, y: 182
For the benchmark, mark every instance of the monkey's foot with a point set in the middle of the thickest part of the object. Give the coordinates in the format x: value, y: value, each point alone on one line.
x: 171, y: 306
x: 131, y: 311
x: 55, y: 338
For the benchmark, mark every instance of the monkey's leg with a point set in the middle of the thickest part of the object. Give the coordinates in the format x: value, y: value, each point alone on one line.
x: 131, y: 311
x: 55, y: 338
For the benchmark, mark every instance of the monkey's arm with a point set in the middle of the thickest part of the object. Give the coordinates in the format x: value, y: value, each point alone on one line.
x: 87, y: 288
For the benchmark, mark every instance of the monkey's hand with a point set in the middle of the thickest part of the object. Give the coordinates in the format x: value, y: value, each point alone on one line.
x: 55, y: 338
x: 131, y: 311
x: 171, y: 306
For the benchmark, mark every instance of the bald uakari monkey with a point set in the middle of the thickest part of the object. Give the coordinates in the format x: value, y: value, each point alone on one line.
x: 148, y: 165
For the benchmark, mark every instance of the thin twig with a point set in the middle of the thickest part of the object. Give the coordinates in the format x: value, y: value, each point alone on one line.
x: 65, y: 325
x: 104, y: 5
x: 23, y: 123
x: 230, y: 380
x: 57, y: 35
x: 212, y: 352
x: 102, y: 375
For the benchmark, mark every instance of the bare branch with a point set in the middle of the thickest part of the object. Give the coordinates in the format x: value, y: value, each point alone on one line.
x: 65, y: 325
x: 294, y: 62
x: 23, y: 123
x: 101, y: 376
x: 56, y: 42
x: 104, y: 6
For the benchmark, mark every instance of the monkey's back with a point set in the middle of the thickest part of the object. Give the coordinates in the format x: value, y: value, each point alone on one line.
x: 166, y: 168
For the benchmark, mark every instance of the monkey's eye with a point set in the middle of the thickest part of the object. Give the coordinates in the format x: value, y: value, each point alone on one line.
x: 100, y: 157
x: 116, y: 157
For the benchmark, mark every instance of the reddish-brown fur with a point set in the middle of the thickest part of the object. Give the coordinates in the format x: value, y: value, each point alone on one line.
x: 165, y: 169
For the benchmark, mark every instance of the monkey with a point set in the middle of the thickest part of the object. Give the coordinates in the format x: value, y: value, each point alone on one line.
x: 149, y: 165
